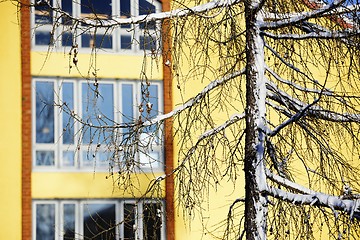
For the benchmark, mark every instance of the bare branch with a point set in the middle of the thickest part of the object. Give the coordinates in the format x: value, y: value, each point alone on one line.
x: 314, y: 111
x: 118, y: 21
x: 293, y: 118
x: 302, y: 16
x: 317, y: 35
x: 276, y: 16
x: 287, y: 183
x: 351, y: 207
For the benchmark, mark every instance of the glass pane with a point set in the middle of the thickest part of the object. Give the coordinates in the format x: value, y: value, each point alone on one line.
x: 43, y: 15
x: 129, y: 221
x: 99, y: 221
x: 146, y: 8
x: 96, y: 9
x: 97, y: 40
x: 44, y: 112
x: 103, y: 159
x: 87, y: 159
x: 45, y: 158
x: 45, y: 221
x: 42, y: 38
x: 125, y: 8
x: 66, y: 6
x: 68, y: 121
x: 150, y: 160
x: 87, y: 41
x: 125, y: 42
x: 97, y: 109
x: 68, y: 159
x: 69, y: 221
x: 147, y: 43
x: 152, y: 221
x: 127, y: 96
x: 67, y: 39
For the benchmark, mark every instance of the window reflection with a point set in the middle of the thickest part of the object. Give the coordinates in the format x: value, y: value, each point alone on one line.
x: 44, y: 112
x: 125, y: 42
x: 45, y: 158
x: 69, y: 221
x: 99, y: 10
x: 96, y: 9
x: 68, y: 121
x: 125, y: 8
x: 152, y: 221
x: 43, y: 14
x: 146, y: 8
x: 66, y: 6
x: 43, y: 38
x: 59, y: 219
x: 72, y: 144
x: 68, y: 159
x: 129, y: 221
x: 99, y: 221
x: 147, y: 43
x: 96, y: 41
x: 149, y: 160
x: 45, y: 221
x: 67, y: 39
x: 127, y: 103
x: 97, y: 109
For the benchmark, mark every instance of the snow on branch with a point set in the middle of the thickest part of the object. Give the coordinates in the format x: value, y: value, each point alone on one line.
x: 301, y: 16
x: 350, y: 206
x: 282, y: 59
x: 317, y: 35
x: 117, y: 20
x: 233, y: 119
x: 324, y: 91
x: 287, y: 183
x: 161, y: 117
x: 293, y: 118
x: 314, y: 111
x: 212, y: 85
x: 276, y: 16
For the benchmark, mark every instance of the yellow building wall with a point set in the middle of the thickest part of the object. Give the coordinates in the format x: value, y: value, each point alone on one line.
x: 114, y: 66
x: 10, y: 122
x: 216, y: 207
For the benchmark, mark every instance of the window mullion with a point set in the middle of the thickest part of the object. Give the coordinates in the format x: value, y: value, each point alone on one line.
x: 58, y: 123
x: 77, y: 107
x: 115, y: 7
x: 134, y: 5
x: 140, y: 220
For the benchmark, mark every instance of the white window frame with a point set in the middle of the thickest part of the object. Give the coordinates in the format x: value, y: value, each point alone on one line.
x: 80, y: 153
x: 79, y: 216
x: 116, y: 33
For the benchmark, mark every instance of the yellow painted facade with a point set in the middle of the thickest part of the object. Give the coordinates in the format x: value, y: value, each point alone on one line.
x: 114, y: 66
x: 81, y: 185
x: 10, y: 123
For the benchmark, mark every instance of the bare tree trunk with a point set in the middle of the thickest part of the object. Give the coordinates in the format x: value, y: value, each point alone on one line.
x: 255, y: 180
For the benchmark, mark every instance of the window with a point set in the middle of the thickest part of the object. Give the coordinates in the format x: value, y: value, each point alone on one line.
x: 98, y: 219
x: 60, y: 142
x: 135, y: 38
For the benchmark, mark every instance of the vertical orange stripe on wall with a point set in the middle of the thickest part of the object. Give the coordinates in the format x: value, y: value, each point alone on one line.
x: 168, y: 105
x: 26, y: 119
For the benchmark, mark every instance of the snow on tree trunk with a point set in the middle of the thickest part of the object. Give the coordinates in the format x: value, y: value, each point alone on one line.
x: 255, y: 179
